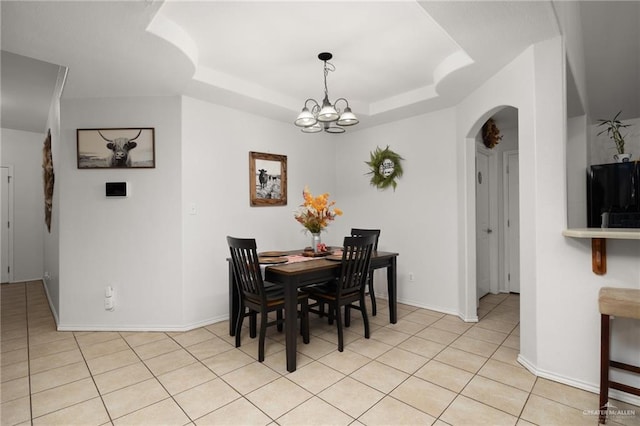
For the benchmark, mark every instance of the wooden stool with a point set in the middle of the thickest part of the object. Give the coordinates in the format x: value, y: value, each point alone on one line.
x: 623, y: 303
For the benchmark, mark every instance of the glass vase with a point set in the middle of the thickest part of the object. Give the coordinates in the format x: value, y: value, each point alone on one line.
x: 315, y: 241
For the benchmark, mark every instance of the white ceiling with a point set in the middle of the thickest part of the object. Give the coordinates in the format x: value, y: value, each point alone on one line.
x: 392, y: 58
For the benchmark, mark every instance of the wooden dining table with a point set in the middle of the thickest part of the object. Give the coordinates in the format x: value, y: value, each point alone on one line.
x: 292, y: 276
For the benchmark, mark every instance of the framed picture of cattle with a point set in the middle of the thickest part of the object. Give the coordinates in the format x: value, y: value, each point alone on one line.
x: 267, y: 179
x: 121, y: 148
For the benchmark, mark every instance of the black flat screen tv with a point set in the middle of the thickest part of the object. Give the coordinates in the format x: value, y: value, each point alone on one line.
x: 614, y: 189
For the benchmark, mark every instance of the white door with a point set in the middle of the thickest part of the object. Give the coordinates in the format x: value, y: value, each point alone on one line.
x: 483, y: 228
x: 6, y: 193
x: 512, y: 249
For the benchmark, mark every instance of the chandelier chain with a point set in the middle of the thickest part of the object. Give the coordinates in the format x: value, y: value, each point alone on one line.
x: 328, y: 67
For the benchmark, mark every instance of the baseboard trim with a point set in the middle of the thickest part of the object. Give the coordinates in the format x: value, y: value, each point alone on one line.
x: 53, y: 311
x: 586, y: 386
x: 439, y: 309
x: 155, y: 328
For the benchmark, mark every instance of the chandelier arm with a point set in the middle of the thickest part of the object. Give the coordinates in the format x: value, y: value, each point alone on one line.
x: 335, y: 104
x: 315, y: 103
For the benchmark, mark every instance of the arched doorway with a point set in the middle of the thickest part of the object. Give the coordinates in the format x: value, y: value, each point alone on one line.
x: 492, y: 230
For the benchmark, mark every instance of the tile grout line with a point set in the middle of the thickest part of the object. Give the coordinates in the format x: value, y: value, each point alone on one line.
x: 26, y: 307
x: 205, y: 366
x: 433, y: 359
x: 84, y: 358
x: 476, y: 373
x: 388, y: 394
x: 29, y: 296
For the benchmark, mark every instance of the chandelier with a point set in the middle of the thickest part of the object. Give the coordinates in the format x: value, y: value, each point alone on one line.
x: 327, y: 117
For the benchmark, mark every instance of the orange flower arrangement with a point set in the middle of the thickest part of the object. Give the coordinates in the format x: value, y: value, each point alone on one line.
x: 316, y: 212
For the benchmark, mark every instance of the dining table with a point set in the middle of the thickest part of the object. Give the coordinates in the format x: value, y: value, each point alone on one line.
x: 296, y: 273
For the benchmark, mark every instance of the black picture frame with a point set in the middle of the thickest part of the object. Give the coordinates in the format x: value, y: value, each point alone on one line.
x: 116, y: 148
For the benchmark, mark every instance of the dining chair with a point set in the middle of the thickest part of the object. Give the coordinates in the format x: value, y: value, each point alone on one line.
x: 349, y: 287
x: 358, y: 232
x: 258, y: 296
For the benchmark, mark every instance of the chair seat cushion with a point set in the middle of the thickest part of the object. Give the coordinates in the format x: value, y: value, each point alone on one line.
x: 274, y: 294
x: 620, y: 302
x: 326, y: 291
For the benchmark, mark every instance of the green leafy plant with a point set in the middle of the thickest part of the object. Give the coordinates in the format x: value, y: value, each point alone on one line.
x: 613, y: 127
x: 386, y: 167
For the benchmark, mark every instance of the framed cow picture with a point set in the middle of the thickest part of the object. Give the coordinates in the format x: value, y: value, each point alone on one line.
x: 122, y: 148
x: 267, y: 179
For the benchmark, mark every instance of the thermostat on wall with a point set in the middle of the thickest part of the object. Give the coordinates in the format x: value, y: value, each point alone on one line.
x: 117, y: 189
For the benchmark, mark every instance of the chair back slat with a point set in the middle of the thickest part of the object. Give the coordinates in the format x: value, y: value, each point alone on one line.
x: 359, y: 232
x: 356, y: 258
x: 246, y: 267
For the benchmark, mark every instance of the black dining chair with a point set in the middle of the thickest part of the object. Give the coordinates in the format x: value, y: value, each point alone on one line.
x: 349, y: 287
x: 358, y: 232
x: 259, y: 297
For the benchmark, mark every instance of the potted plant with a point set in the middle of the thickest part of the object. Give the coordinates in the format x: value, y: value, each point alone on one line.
x: 612, y: 127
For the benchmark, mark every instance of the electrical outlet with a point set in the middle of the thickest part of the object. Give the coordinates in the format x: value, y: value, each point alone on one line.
x: 109, y: 298
x: 109, y: 304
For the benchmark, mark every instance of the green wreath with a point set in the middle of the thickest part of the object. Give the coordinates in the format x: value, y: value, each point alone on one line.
x: 386, y: 167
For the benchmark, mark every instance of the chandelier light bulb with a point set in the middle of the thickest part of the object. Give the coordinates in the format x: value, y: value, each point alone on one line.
x: 347, y: 118
x: 305, y: 118
x: 328, y: 112
x: 315, y: 128
x: 334, y: 129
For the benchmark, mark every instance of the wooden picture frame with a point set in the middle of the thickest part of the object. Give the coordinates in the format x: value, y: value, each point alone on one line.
x: 116, y: 148
x: 267, y: 179
x: 49, y: 179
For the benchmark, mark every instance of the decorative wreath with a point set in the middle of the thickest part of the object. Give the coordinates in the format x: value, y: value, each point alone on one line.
x: 490, y: 134
x: 386, y: 167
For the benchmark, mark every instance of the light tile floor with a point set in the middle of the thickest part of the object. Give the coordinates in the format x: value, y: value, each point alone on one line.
x: 429, y: 368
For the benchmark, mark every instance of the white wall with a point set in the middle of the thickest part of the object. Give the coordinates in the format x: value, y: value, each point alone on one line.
x: 577, y: 172
x: 23, y: 150
x: 512, y: 86
x: 215, y: 179
x: 418, y: 219
x: 168, y: 266
x: 429, y: 225
x: 51, y: 261
x: 576, y: 294
x: 134, y: 243
x: 569, y: 19
x: 559, y: 311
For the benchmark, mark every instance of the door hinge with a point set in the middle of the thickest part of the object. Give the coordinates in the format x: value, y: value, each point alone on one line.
x: 508, y: 223
x: 8, y: 179
x: 509, y: 277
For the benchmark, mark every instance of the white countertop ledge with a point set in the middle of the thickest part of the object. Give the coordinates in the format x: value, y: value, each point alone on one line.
x: 613, y: 233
